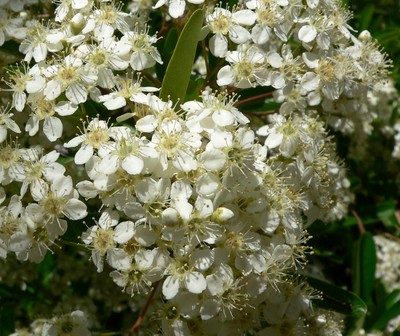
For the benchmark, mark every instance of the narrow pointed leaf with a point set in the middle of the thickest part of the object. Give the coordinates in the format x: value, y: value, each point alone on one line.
x: 177, y: 76
x: 338, y: 299
x: 364, y: 264
x: 389, y: 314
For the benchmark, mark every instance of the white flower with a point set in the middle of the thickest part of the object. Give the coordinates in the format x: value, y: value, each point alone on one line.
x: 182, y: 273
x: 69, y: 75
x: 103, y: 58
x: 74, y: 324
x: 60, y: 199
x: 6, y: 122
x: 246, y: 69
x: 139, y: 47
x: 97, y: 136
x: 37, y: 167
x: 176, y: 145
x: 127, y: 89
x: 36, y: 45
x: 105, y: 20
x: 176, y: 8
x: 222, y: 22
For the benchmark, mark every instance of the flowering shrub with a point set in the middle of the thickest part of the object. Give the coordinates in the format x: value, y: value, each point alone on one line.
x: 198, y: 211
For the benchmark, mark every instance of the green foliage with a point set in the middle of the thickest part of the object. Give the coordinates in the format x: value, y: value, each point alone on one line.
x: 364, y: 267
x: 177, y: 75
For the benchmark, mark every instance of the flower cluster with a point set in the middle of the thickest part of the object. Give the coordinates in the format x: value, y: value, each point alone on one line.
x: 186, y: 196
x: 193, y: 200
x: 387, y: 261
x: 73, y: 324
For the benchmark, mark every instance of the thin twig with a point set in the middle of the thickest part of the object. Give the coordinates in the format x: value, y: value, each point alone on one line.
x: 140, y: 318
x: 255, y: 98
x: 360, y: 224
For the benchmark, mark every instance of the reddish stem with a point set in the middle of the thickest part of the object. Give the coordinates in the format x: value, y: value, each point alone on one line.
x: 360, y: 224
x: 255, y: 98
x: 140, y: 318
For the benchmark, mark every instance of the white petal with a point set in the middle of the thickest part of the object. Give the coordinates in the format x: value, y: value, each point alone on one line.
x: 274, y: 140
x: 52, y: 128
x: 170, y: 287
x: 75, y: 209
x: 75, y: 141
x: 239, y: 34
x: 119, y: 259
x: 307, y: 33
x: 274, y: 59
x: 124, y: 232
x: 260, y: 35
x: 115, y: 102
x: 133, y: 164
x: 207, y: 185
x: 76, y: 93
x: 223, y: 118
x: 109, y: 164
x: 195, y: 282
x: 53, y: 89
x: 40, y: 52
x: 218, y: 45
x: 36, y: 84
x: 65, y: 108
x: 245, y: 17
x: 176, y: 8
x: 84, y: 154
x: 225, y: 76
x: 140, y: 60
x: 19, y: 100
x: 19, y: 242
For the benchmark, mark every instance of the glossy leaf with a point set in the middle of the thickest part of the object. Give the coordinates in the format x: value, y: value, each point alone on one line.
x: 167, y: 47
x: 387, y: 315
x: 338, y: 299
x: 386, y: 213
x: 364, y: 264
x: 392, y: 299
x: 177, y: 76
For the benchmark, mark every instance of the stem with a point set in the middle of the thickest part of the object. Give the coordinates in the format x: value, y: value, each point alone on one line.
x: 212, y: 73
x: 151, y: 78
x: 73, y: 244
x: 83, y: 110
x: 360, y: 224
x: 140, y: 318
x: 255, y: 98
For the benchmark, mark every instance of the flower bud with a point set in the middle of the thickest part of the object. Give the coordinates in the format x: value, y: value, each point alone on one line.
x: 77, y: 23
x: 222, y: 215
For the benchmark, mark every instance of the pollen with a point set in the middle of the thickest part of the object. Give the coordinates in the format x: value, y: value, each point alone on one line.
x: 52, y: 205
x: 103, y: 240
x: 44, y: 108
x: 220, y: 24
x: 97, y: 137
x: 8, y: 156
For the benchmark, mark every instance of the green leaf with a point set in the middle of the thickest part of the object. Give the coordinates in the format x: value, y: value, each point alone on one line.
x: 7, y: 318
x: 167, y: 47
x: 386, y: 213
x: 338, y: 299
x: 46, y: 269
x: 366, y: 17
x: 194, y: 88
x: 177, y: 76
x: 341, y: 301
x: 392, y: 299
x: 364, y: 263
x: 389, y: 314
